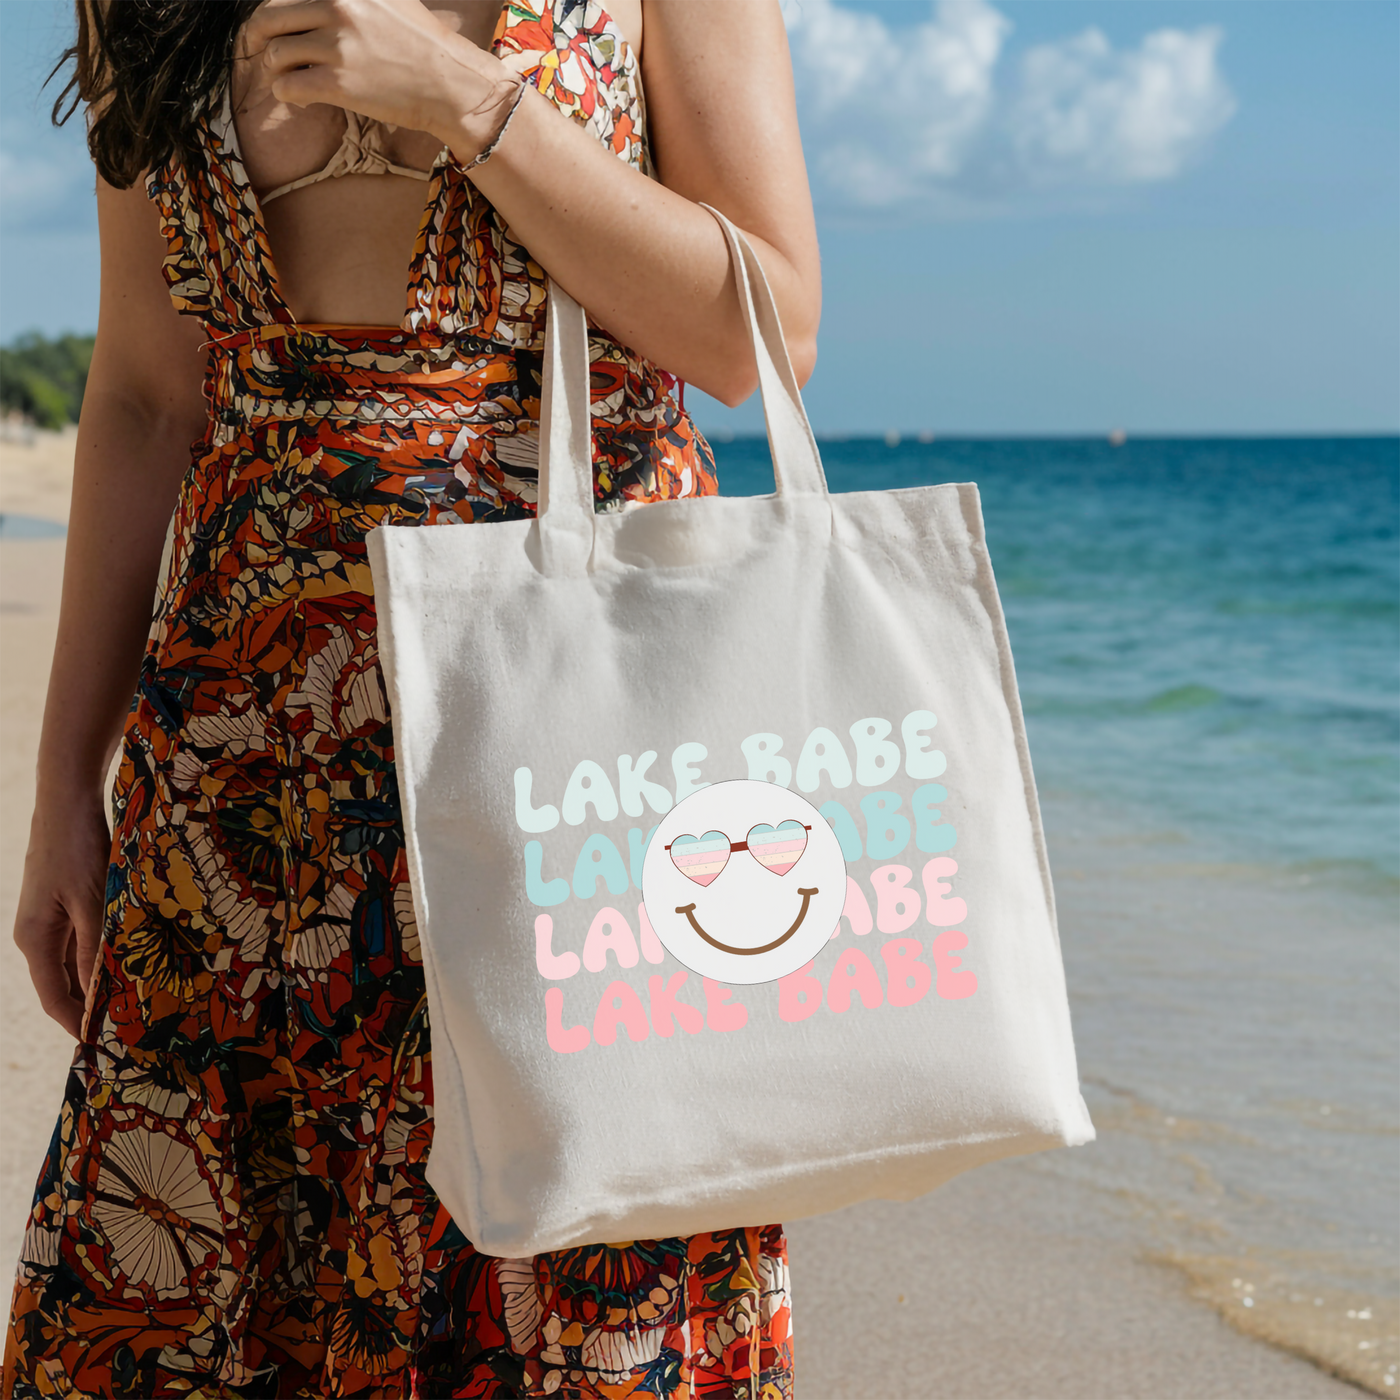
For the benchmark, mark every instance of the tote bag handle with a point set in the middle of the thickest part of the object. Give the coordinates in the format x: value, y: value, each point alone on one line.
x: 566, y: 441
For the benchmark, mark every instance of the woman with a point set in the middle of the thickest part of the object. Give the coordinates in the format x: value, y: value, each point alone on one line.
x: 234, y: 1201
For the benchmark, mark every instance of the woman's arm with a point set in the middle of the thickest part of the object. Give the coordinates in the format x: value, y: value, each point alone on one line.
x: 647, y: 262
x: 142, y: 408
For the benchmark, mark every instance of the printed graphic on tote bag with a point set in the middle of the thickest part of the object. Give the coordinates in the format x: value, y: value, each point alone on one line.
x: 744, y: 882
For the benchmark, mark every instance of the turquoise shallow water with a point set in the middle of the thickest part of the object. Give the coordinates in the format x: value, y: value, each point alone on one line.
x: 1207, y: 641
x: 1207, y: 632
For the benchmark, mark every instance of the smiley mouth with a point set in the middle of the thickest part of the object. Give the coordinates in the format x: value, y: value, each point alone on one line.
x: 689, y: 911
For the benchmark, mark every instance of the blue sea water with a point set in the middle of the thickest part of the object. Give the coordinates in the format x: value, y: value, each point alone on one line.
x: 1206, y: 631
x: 29, y: 527
x: 1207, y: 643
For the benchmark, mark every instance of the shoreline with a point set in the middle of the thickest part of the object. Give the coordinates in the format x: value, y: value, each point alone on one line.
x: 1028, y: 1277
x: 1253, y: 1165
x: 1013, y: 1281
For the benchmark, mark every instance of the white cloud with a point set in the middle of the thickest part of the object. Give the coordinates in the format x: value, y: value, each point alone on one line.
x: 882, y: 113
x: 1088, y: 113
x: 922, y: 117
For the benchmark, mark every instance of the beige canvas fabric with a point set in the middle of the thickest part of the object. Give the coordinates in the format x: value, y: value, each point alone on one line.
x: 822, y: 684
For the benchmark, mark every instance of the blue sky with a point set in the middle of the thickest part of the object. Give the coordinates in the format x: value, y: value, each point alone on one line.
x: 1035, y: 215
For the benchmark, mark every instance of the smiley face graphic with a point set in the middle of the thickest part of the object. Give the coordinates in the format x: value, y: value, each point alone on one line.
x: 744, y: 881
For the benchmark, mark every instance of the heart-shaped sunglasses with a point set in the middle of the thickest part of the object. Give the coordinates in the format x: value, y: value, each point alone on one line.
x: 776, y: 848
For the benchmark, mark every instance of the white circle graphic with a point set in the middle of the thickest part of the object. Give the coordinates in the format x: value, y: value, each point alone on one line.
x: 744, y: 881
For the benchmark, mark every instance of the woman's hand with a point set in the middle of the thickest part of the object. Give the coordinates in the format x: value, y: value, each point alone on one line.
x: 390, y: 60
x: 58, y: 926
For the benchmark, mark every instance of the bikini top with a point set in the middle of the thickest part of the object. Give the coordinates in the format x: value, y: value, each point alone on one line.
x: 361, y: 152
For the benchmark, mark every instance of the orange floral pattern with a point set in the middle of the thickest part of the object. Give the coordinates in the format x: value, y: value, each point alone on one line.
x: 233, y: 1203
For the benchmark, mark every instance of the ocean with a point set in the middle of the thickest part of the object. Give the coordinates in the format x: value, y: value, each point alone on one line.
x: 1207, y: 642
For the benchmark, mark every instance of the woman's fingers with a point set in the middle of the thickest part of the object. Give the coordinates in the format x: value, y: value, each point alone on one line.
x: 49, y: 947
x: 297, y: 50
x: 302, y: 86
x: 391, y: 60
x: 86, y: 916
x: 275, y: 18
x: 75, y: 987
x: 313, y: 58
x: 58, y: 924
x: 303, y: 68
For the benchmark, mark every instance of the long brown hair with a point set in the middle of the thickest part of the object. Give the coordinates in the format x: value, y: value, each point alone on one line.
x: 148, y: 70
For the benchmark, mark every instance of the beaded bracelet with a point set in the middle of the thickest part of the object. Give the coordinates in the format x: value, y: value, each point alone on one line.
x: 483, y: 156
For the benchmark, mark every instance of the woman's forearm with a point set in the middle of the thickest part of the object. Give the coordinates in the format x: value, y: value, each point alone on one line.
x: 127, y: 470
x: 651, y: 266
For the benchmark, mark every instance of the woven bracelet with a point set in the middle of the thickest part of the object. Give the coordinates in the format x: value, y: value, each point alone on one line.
x: 483, y: 156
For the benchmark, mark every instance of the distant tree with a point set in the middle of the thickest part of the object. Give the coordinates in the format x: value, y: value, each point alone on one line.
x: 44, y: 379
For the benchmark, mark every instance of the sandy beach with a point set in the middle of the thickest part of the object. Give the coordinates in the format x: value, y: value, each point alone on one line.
x: 1022, y: 1279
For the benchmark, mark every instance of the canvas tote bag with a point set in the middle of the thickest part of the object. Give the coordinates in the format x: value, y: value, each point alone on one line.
x: 723, y: 840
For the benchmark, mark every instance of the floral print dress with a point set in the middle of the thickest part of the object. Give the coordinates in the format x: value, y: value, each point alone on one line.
x: 233, y: 1203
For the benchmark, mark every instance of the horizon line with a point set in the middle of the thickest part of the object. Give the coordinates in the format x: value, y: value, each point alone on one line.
x: 925, y: 438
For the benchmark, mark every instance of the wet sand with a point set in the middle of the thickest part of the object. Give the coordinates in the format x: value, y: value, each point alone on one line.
x: 1013, y: 1281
